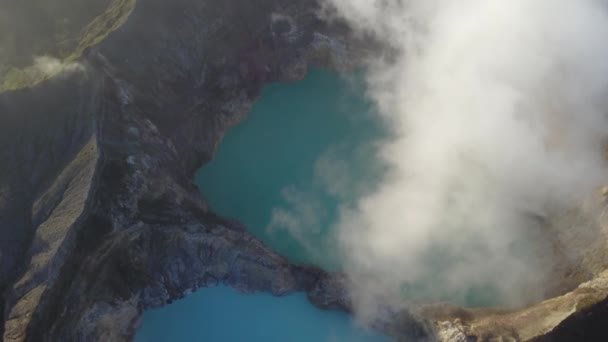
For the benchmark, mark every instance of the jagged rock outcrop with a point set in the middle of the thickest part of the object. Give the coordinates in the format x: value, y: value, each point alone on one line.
x: 49, y: 160
x: 99, y: 216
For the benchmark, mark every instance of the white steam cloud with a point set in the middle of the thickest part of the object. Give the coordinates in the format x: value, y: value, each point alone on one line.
x: 43, y: 67
x: 50, y: 66
x: 499, y: 116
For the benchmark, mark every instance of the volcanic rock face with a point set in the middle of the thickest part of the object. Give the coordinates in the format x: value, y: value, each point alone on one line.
x: 99, y: 217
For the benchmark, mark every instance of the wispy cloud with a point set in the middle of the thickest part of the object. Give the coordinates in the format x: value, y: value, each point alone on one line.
x: 43, y: 67
x: 50, y: 66
x: 309, y: 211
x: 498, y: 109
x: 302, y: 217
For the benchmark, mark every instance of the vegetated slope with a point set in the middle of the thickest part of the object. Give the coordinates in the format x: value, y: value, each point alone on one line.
x: 39, y: 38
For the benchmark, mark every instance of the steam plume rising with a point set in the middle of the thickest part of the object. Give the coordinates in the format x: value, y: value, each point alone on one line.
x: 498, y: 109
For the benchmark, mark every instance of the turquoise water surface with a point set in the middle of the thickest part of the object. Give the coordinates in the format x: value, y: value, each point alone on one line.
x: 278, y: 172
x: 221, y: 314
x: 305, y: 149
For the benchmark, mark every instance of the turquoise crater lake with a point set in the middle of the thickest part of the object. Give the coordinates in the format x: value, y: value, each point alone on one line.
x: 221, y: 314
x: 306, y: 149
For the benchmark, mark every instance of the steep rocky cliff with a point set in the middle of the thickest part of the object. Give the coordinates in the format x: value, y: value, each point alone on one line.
x: 99, y: 215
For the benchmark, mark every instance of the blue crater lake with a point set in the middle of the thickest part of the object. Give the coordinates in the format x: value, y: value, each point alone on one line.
x: 305, y: 149
x: 221, y: 314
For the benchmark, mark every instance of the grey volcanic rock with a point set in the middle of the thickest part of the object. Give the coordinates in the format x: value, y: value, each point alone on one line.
x: 100, y: 219
x: 153, y: 263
